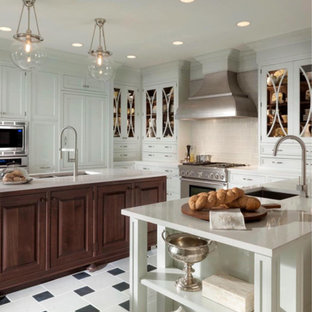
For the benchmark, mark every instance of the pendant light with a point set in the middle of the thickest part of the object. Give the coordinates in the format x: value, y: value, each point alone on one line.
x: 27, y: 51
x: 101, y: 67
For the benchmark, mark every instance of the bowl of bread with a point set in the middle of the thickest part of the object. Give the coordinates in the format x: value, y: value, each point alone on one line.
x: 15, y: 175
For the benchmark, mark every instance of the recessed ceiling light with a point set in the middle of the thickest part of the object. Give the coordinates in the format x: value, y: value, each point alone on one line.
x: 177, y: 42
x: 77, y: 44
x: 243, y: 24
x: 187, y: 1
x: 131, y: 56
x: 4, y: 28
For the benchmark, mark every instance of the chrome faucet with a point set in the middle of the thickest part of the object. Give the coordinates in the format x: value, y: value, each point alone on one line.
x: 75, y: 150
x: 302, y: 186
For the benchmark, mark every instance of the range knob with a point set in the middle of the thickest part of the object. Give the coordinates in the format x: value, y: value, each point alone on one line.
x: 222, y: 177
x: 217, y: 176
x: 211, y: 175
x: 200, y: 174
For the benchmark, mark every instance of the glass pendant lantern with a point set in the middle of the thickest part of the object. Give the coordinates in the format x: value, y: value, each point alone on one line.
x: 27, y: 52
x: 101, y: 66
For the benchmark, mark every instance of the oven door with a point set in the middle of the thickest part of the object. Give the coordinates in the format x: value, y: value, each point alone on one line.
x: 13, y: 139
x: 190, y: 187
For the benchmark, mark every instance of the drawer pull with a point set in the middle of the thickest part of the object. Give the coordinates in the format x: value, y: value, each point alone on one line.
x: 166, y: 155
x: 150, y: 155
x: 279, y: 162
x: 45, y: 167
x: 150, y: 146
x: 166, y: 146
x: 168, y: 170
x: 145, y: 168
x: 125, y: 155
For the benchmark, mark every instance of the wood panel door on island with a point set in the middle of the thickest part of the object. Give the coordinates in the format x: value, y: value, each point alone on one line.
x: 22, y: 237
x: 71, y: 227
x: 113, y: 227
x: 150, y: 192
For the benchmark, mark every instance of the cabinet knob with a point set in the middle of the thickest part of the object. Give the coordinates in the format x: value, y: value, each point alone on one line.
x: 43, y: 199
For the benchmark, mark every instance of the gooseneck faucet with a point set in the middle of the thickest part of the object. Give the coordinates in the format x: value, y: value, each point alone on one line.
x: 302, y: 187
x: 75, y: 150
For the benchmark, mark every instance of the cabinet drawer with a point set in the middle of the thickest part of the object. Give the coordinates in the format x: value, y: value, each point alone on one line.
x: 125, y: 155
x: 281, y: 163
x: 245, y: 180
x: 73, y: 82
x: 283, y: 150
x: 159, y: 156
x: 126, y: 146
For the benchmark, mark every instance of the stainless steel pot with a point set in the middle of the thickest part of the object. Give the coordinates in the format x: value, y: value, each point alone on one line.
x: 203, y: 158
x: 187, y: 249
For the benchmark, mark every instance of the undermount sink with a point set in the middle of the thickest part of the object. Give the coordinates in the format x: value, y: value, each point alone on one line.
x: 56, y: 174
x: 264, y: 193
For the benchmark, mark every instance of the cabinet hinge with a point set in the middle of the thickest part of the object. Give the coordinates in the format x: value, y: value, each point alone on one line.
x: 260, y: 104
x: 25, y: 74
x: 260, y: 71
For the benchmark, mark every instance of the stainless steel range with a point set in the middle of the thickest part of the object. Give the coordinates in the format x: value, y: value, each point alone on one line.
x: 204, y: 177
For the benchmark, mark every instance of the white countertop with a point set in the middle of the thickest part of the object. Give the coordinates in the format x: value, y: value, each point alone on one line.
x: 93, y: 176
x: 279, y: 228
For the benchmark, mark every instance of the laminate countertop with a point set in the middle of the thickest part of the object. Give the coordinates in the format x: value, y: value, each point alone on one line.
x: 279, y: 228
x: 91, y: 177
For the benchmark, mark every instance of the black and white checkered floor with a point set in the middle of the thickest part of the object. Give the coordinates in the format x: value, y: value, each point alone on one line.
x: 106, y: 290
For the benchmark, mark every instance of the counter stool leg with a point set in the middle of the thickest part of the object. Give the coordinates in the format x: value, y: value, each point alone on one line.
x: 267, y: 277
x: 138, y: 265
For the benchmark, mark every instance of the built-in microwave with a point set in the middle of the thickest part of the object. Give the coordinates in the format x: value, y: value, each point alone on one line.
x: 13, y: 138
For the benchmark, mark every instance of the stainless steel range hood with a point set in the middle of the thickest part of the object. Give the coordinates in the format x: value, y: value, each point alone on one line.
x: 219, y: 97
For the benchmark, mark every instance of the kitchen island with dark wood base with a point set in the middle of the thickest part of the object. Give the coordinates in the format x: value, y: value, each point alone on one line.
x: 52, y: 227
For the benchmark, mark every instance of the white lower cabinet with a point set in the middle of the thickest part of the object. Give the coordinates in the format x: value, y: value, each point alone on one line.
x: 172, y: 173
x: 240, y: 180
x: 128, y: 150
x: 86, y: 114
x: 43, y: 146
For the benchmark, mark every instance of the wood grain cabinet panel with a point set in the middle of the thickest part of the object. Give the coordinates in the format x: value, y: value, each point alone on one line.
x: 22, y: 235
x: 113, y: 227
x: 150, y: 192
x: 71, y: 226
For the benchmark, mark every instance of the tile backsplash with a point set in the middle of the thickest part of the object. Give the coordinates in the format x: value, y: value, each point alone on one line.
x: 229, y: 139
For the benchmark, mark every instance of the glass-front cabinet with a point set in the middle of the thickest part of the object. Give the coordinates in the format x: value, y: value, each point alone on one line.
x: 125, y: 123
x: 275, y: 101
x: 303, y: 74
x: 159, y: 109
x: 286, y: 103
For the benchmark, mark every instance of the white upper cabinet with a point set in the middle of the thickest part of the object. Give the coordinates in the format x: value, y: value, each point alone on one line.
x: 286, y: 105
x: 43, y: 146
x: 13, y: 93
x: 82, y: 83
x: 73, y: 115
x: 86, y: 114
x: 159, y: 106
x: 45, y: 95
x: 94, y: 131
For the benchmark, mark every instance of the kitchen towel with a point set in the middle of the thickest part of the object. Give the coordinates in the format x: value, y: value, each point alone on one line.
x: 226, y: 220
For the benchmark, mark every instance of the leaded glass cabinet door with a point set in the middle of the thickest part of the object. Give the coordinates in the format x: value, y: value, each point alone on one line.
x: 117, y: 113
x: 275, y: 102
x: 131, y: 112
x: 303, y: 89
x: 168, y: 110
x: 151, y: 118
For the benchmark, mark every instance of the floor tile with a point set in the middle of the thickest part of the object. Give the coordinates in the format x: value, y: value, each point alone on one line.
x: 122, y: 264
x: 150, y: 268
x: 43, y: 296
x: 84, y: 291
x: 121, y: 286
x: 102, y: 269
x: 27, y: 292
x: 88, y: 308
x: 124, y: 276
x: 152, y: 260
x: 116, y: 271
x: 111, y: 295
x: 116, y: 308
x: 81, y: 275
x: 64, y: 303
x: 4, y: 300
x: 28, y: 304
x: 125, y: 305
x: 62, y: 285
x: 101, y: 281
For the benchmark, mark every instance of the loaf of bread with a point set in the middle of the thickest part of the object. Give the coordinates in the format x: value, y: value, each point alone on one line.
x: 14, y: 176
x: 224, y: 199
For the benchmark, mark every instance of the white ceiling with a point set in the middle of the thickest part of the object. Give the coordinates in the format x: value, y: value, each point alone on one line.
x: 146, y: 28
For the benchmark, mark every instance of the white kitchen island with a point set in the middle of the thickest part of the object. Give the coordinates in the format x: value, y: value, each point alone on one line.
x: 274, y: 254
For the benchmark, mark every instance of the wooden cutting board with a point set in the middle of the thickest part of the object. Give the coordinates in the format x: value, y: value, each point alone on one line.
x: 203, y: 214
